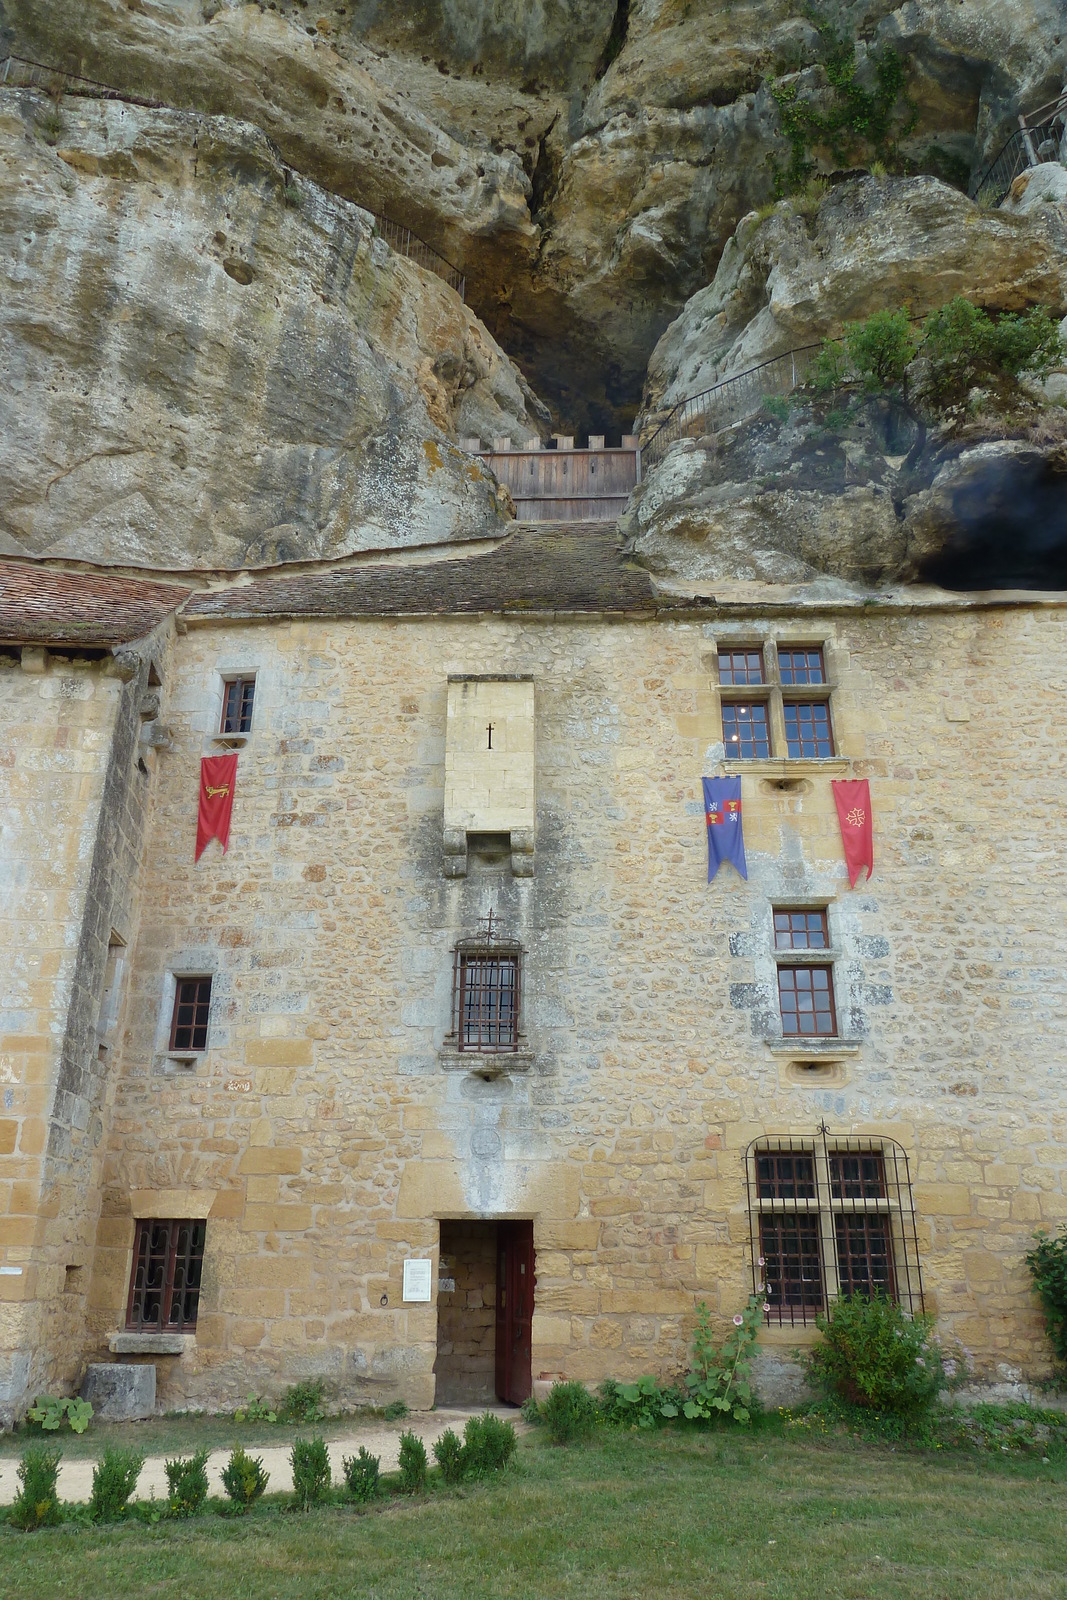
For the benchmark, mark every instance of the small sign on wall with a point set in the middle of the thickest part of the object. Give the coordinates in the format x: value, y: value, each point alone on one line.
x: 418, y: 1279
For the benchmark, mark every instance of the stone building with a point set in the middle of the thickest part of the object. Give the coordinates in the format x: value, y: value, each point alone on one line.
x: 459, y: 993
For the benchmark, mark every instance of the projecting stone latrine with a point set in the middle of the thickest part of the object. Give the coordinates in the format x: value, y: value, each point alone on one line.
x: 480, y: 1008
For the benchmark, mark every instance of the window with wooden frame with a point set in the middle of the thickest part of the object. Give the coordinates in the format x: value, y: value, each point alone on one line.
x: 485, y: 998
x: 189, y: 1020
x: 805, y: 985
x: 831, y: 1216
x: 775, y: 701
x: 168, y: 1258
x: 238, y: 695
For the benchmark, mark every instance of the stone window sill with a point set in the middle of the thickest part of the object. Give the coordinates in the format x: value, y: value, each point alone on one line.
x: 150, y: 1344
x: 785, y: 766
x: 485, y: 1063
x: 807, y: 1048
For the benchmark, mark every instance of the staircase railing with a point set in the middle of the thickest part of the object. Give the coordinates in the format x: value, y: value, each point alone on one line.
x: 729, y: 401
x: 18, y: 72
x: 1040, y: 137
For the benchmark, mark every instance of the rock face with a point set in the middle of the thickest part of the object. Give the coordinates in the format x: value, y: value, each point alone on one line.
x: 585, y: 160
x: 210, y: 362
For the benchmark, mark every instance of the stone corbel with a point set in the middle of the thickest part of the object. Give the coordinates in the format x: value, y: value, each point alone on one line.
x: 522, y: 852
x: 455, y: 852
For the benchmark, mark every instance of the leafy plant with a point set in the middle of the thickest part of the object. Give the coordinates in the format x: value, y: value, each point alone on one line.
x: 413, y: 1464
x: 718, y: 1380
x: 51, y: 125
x: 312, y: 1478
x: 395, y: 1410
x: 964, y: 347
x: 570, y: 1412
x: 244, y: 1477
x: 114, y: 1480
x: 303, y: 1402
x: 50, y: 1411
x: 255, y: 1410
x: 488, y: 1444
x: 37, y: 1505
x: 186, y: 1484
x: 638, y: 1405
x: 449, y: 1455
x: 874, y: 1354
x: 1048, y: 1268
x: 829, y: 370
x: 363, y: 1475
x: 881, y: 349
x: 777, y: 406
x: 530, y: 1410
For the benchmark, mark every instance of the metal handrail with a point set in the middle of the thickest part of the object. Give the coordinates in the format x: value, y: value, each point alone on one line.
x: 730, y: 400
x: 399, y: 238
x: 1040, y: 138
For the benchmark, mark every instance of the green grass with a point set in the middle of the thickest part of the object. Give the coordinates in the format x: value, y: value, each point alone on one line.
x: 177, y: 1435
x: 670, y: 1515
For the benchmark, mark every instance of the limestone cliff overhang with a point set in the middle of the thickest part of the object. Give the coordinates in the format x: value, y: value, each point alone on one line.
x: 43, y: 606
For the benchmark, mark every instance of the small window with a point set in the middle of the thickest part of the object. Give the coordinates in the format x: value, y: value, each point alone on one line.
x: 168, y: 1260
x: 801, y: 666
x: 237, y: 698
x: 801, y: 930
x: 785, y: 1175
x: 486, y: 1000
x: 744, y: 731
x: 806, y: 996
x: 864, y: 1254
x: 740, y: 666
x: 807, y: 728
x: 192, y: 1004
x: 792, y: 1265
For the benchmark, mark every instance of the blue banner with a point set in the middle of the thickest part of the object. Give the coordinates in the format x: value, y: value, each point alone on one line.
x: 722, y: 810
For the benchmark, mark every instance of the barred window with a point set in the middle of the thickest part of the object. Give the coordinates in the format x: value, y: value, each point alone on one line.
x: 485, y: 1000
x: 830, y: 1217
x: 192, y: 1007
x: 238, y: 695
x: 744, y: 731
x: 168, y: 1259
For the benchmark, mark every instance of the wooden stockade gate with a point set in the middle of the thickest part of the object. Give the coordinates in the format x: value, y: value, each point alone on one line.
x: 558, y: 483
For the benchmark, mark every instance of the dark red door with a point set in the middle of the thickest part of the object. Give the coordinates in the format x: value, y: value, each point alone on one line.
x: 514, y: 1310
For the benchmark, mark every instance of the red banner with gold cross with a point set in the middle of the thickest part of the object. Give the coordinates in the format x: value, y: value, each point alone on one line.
x: 218, y: 779
x: 852, y: 797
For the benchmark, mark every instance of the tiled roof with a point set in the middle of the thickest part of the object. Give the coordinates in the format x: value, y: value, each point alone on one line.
x: 552, y: 567
x: 42, y: 606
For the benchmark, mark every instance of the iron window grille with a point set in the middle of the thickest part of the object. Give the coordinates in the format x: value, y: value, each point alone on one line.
x: 237, y: 699
x: 192, y: 1006
x: 485, y: 998
x: 168, y: 1260
x: 830, y: 1216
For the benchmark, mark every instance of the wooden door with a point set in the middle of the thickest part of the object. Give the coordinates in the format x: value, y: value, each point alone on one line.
x: 514, y: 1311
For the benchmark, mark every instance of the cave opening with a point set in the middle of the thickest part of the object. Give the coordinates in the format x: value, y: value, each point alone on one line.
x: 1008, y: 528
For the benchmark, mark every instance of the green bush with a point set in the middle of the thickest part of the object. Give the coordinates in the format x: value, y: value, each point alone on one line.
x: 363, y: 1475
x: 873, y: 1354
x: 244, y: 1477
x: 50, y: 1411
x: 881, y: 349
x: 449, y: 1455
x: 186, y: 1484
x: 255, y: 1410
x: 1048, y: 1268
x: 395, y: 1410
x: 303, y: 1402
x: 829, y: 370
x: 776, y: 406
x: 488, y: 1444
x: 965, y: 348
x: 413, y: 1464
x: 570, y: 1412
x: 311, y: 1473
x: 638, y: 1405
x: 37, y: 1505
x: 114, y: 1480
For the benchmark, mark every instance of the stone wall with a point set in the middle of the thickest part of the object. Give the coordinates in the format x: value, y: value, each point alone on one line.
x: 321, y: 1132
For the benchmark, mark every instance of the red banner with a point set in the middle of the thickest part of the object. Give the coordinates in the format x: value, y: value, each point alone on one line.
x: 218, y: 779
x: 852, y: 797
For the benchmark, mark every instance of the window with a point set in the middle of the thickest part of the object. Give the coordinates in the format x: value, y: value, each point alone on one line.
x: 831, y: 1217
x: 165, y: 1283
x: 806, y: 997
x: 485, y: 1001
x: 801, y: 930
x: 192, y: 1003
x: 237, y: 697
x: 775, y: 702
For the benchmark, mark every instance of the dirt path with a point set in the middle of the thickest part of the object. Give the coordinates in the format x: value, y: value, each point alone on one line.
x: 380, y: 1438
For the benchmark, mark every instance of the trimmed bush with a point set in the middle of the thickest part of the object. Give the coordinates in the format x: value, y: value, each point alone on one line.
x: 244, y: 1477
x: 873, y: 1355
x: 186, y: 1484
x: 488, y: 1444
x: 570, y: 1413
x: 363, y: 1475
x: 312, y: 1478
x: 413, y: 1464
x: 37, y: 1505
x: 114, y: 1480
x: 449, y: 1454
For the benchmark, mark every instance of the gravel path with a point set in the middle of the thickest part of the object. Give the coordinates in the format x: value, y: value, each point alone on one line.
x: 380, y: 1438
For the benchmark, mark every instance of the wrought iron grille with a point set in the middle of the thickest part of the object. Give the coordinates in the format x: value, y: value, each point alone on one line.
x: 168, y: 1258
x: 485, y: 999
x: 830, y: 1215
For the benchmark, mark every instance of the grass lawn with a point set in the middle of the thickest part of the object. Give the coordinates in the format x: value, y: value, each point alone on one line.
x: 176, y: 1435
x: 633, y: 1515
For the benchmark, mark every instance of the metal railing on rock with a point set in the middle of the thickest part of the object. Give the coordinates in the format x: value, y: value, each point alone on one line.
x: 729, y: 401
x: 1040, y: 137
x: 18, y: 72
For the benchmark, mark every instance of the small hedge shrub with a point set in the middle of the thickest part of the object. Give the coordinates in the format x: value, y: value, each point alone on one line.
x: 244, y: 1477
x: 186, y: 1484
x: 311, y: 1473
x: 488, y: 1444
x: 114, y: 1480
x: 874, y: 1355
x: 363, y: 1476
x: 413, y: 1464
x: 37, y: 1505
x: 570, y: 1412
